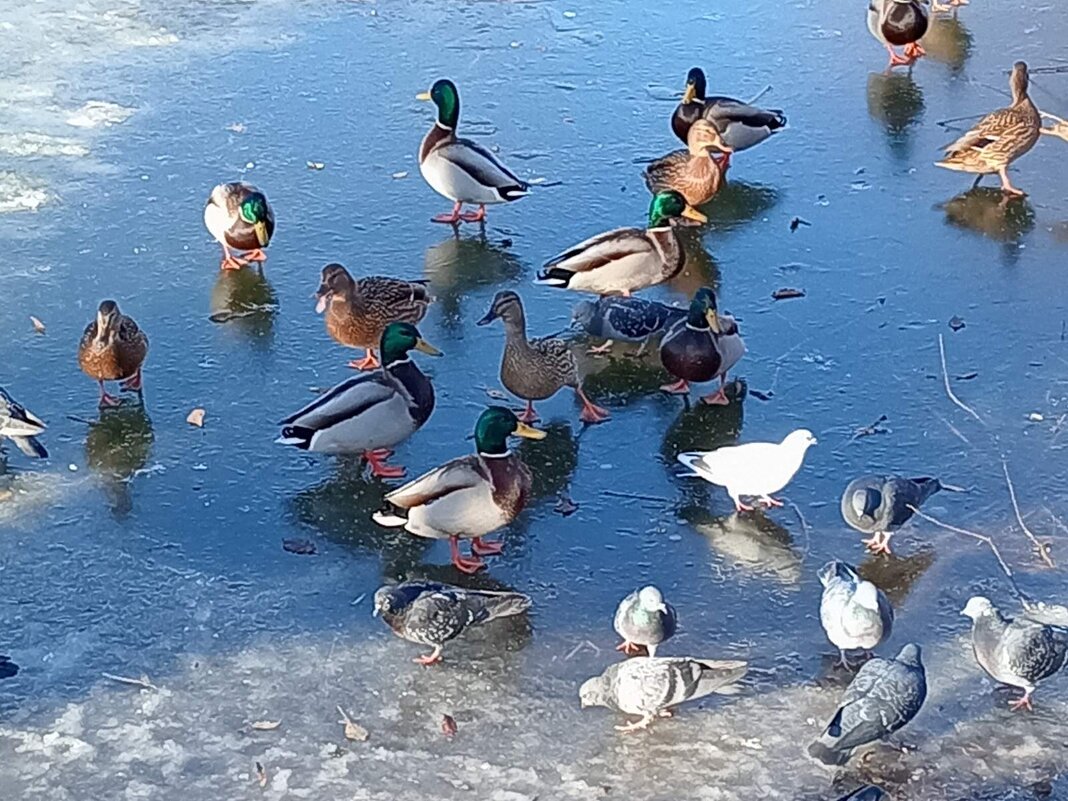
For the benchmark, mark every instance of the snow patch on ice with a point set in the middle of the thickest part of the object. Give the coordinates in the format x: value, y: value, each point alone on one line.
x: 95, y: 113
x: 30, y: 144
x: 18, y: 193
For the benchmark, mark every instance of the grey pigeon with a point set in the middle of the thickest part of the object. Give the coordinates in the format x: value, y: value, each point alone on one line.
x: 430, y: 613
x: 644, y: 620
x: 883, y: 696
x: 1018, y: 652
x: 877, y: 505
x: 856, y: 614
x: 869, y: 792
x: 21, y: 426
x: 629, y: 319
x: 649, y: 686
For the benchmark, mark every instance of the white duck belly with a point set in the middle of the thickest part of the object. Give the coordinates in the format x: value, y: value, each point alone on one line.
x: 216, y: 221
x: 382, y: 426
x: 466, y: 513
x: 454, y: 182
x: 631, y: 273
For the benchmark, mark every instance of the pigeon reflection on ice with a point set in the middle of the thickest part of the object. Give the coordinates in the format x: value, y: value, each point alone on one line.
x: 1015, y: 651
x: 883, y: 696
x: 755, y: 469
x: 649, y: 686
x: 430, y: 613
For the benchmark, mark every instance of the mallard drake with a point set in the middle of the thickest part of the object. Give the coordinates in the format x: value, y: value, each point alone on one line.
x: 240, y: 218
x: 21, y: 426
x: 113, y: 348
x: 740, y: 124
x: 536, y: 369
x: 462, y: 170
x: 693, y: 172
x: 625, y: 260
x: 899, y: 22
x: 626, y: 319
x: 357, y: 312
x: 468, y: 497
x: 704, y: 346
x: 370, y: 413
x: 1000, y: 137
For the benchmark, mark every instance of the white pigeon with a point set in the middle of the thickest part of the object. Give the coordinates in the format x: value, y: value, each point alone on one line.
x: 755, y: 469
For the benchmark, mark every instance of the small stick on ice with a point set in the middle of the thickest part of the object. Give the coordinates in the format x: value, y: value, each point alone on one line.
x: 1043, y: 550
x: 142, y: 682
x: 949, y: 389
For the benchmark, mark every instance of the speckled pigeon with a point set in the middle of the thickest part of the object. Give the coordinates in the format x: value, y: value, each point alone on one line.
x: 1018, y: 652
x: 856, y: 614
x: 883, y: 696
x: 644, y: 620
x: 877, y: 505
x: 628, y: 319
x: 21, y: 426
x: 430, y: 613
x: 649, y: 686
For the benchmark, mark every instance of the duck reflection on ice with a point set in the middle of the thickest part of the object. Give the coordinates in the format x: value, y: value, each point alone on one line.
x: 340, y: 509
x: 737, y: 204
x: 116, y: 447
x: 247, y: 300
x: 699, y: 269
x: 459, y: 265
x: 992, y: 213
x: 895, y: 101
x: 948, y: 42
x: 552, y: 461
x: 703, y: 427
x: 751, y: 542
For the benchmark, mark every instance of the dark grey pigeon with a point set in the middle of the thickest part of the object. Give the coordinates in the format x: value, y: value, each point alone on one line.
x: 649, y: 686
x: 21, y: 426
x: 644, y: 620
x: 430, y: 613
x: 626, y: 319
x: 1018, y: 652
x: 869, y: 792
x: 883, y: 696
x: 877, y: 505
x: 856, y: 614
x: 7, y: 667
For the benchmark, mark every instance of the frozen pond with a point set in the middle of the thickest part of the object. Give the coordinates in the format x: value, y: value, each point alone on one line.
x: 145, y: 546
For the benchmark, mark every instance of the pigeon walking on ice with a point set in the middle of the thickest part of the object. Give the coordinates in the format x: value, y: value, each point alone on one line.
x: 856, y: 614
x: 883, y: 696
x: 644, y: 620
x: 21, y: 426
x: 878, y: 505
x: 627, y: 319
x: 649, y: 686
x: 1018, y: 652
x: 755, y: 469
x: 430, y: 613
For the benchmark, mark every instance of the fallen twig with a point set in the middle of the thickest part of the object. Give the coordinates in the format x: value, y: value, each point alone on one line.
x: 951, y: 120
x: 804, y: 526
x: 949, y: 389
x: 981, y: 538
x: 1043, y: 550
x: 871, y: 430
x: 760, y: 94
x: 142, y: 682
x: 634, y: 496
x: 582, y: 645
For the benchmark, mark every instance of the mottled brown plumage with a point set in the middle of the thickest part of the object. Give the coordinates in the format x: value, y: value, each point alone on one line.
x: 535, y: 369
x: 113, y: 348
x: 1000, y: 137
x: 693, y: 172
x: 358, y: 311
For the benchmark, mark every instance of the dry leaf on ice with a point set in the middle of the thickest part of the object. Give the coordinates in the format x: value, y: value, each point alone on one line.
x: 261, y: 774
x: 266, y: 725
x: 38, y: 326
x: 353, y: 730
x: 196, y: 418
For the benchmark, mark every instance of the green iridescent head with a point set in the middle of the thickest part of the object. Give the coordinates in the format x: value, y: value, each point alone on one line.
x: 703, y: 312
x: 399, y: 338
x: 253, y: 210
x: 495, y: 425
x: 671, y: 205
x: 447, y: 98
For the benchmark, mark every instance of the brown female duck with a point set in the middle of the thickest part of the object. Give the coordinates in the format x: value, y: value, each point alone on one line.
x: 536, y: 369
x: 358, y: 311
x: 693, y: 173
x: 113, y: 348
